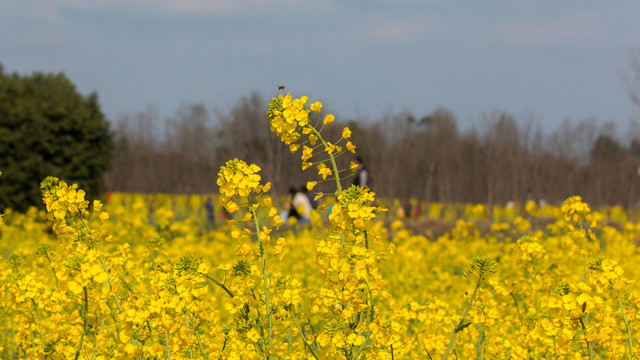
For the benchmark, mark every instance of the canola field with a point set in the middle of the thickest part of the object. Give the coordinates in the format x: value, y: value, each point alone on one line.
x: 151, y: 277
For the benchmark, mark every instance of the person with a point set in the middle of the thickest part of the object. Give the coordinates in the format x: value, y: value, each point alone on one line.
x: 312, y: 200
x: 300, y: 205
x: 361, y: 177
x: 210, y: 209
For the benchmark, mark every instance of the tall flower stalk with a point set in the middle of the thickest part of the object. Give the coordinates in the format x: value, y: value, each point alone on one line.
x: 354, y: 325
x: 480, y: 268
x: 242, y: 192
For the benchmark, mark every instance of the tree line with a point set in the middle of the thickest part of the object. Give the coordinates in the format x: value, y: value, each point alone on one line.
x: 502, y: 159
x: 48, y: 128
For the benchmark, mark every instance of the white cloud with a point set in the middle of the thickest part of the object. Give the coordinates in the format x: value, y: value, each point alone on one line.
x: 228, y: 6
x: 39, y: 10
x: 45, y: 11
x: 47, y: 8
x: 394, y: 31
x: 571, y: 27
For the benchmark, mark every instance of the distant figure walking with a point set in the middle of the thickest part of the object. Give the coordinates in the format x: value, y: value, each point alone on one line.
x: 300, y: 205
x: 312, y: 200
x: 361, y: 177
x: 210, y: 209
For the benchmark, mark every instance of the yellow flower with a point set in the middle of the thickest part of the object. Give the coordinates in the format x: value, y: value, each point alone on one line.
x: 355, y: 340
x: 316, y: 106
x: 351, y: 147
x: 353, y: 167
x: 346, y: 133
x: 530, y: 207
x: 323, y: 170
x: 273, y: 212
x: 132, y: 351
x: 313, y: 139
x: 75, y: 287
x: 231, y: 206
x: 374, y: 328
x: 574, y: 209
x: 328, y: 119
x: 569, y: 302
x: 253, y: 335
x: 307, y: 152
x: 323, y: 339
x: 101, y: 277
x: 338, y: 340
x: 311, y: 185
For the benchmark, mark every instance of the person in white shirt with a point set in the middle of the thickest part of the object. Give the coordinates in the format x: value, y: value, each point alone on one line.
x: 300, y: 205
x: 361, y: 177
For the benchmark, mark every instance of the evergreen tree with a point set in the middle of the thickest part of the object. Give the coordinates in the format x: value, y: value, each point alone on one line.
x: 48, y: 128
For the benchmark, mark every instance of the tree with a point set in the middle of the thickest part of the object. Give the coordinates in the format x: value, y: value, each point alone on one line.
x: 607, y: 170
x: 48, y: 129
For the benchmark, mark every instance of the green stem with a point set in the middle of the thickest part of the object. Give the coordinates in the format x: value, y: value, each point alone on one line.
x: 95, y: 348
x: 40, y: 322
x: 55, y: 276
x: 150, y: 332
x: 428, y: 354
x: 304, y: 338
x: 265, y: 278
x: 535, y: 289
x: 115, y: 296
x: 481, y: 351
x: 464, y: 316
x: 84, y: 322
x: 104, y: 266
x: 166, y: 340
x: 221, y: 285
x: 195, y: 331
x: 584, y: 251
x: 515, y: 301
x: 186, y: 321
x: 371, y: 312
x: 626, y: 324
x: 336, y: 173
x: 589, y: 346
x: 357, y: 353
x: 332, y: 159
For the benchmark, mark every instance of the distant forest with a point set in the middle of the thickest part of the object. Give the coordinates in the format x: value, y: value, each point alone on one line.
x: 428, y: 158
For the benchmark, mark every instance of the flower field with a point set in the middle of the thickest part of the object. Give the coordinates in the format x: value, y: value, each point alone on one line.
x: 150, y: 277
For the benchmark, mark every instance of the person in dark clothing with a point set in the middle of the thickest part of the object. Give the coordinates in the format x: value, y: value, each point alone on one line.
x: 293, y: 213
x: 361, y: 177
x: 300, y: 205
x: 210, y: 209
x: 312, y: 200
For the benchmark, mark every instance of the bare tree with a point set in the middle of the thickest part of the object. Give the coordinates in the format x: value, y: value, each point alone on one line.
x: 426, y: 158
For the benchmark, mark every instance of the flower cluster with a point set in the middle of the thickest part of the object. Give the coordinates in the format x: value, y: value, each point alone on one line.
x: 574, y: 209
x: 349, y: 313
x: 146, y: 277
x: 236, y: 179
x: 290, y: 120
x: 354, y: 209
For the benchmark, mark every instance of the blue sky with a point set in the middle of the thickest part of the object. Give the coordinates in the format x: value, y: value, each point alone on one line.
x: 541, y: 59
